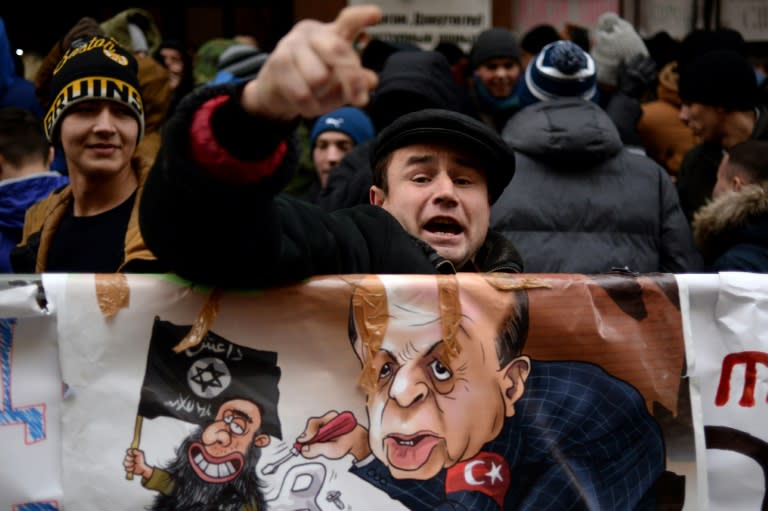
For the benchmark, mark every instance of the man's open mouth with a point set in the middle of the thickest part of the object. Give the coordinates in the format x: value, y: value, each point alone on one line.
x: 409, y: 452
x: 213, y: 469
x: 443, y: 226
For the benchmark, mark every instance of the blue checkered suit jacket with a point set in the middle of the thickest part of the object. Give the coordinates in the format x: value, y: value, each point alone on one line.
x: 580, y: 440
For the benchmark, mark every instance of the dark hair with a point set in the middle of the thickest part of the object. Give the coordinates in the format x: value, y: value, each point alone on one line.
x: 452, y: 51
x: 538, y: 37
x: 752, y: 157
x: 513, y: 333
x: 663, y: 48
x: 187, y: 82
x: 579, y: 35
x: 380, y: 172
x: 22, y: 138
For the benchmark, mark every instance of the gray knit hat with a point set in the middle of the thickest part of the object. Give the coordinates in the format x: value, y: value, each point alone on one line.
x: 617, y: 42
x: 493, y: 43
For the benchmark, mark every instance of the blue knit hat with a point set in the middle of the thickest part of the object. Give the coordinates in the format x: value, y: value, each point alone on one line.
x: 560, y: 70
x: 348, y: 120
x: 239, y: 63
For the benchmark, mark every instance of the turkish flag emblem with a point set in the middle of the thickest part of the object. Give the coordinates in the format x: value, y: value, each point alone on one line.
x: 487, y: 472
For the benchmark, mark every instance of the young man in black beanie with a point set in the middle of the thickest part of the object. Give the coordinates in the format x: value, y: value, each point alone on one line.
x: 718, y: 91
x: 97, y: 116
x: 228, y: 152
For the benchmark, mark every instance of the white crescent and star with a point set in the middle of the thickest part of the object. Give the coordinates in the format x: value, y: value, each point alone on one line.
x: 494, y: 474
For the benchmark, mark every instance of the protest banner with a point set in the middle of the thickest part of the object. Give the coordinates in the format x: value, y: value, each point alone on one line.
x: 30, y: 399
x: 291, y: 398
x: 726, y: 323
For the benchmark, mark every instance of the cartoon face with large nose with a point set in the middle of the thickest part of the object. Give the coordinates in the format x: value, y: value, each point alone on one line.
x: 437, y: 391
x: 220, y: 454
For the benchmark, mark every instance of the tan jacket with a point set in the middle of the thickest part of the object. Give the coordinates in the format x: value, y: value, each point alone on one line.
x: 43, y: 219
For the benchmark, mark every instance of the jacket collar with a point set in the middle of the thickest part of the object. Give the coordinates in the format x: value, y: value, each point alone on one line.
x: 497, y: 254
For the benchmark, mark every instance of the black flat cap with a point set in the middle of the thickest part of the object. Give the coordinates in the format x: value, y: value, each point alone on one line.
x: 438, y: 126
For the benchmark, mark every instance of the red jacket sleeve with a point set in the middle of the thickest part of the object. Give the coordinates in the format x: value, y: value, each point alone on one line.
x: 214, y: 160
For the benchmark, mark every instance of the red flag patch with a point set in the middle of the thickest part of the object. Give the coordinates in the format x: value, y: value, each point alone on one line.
x: 487, y: 472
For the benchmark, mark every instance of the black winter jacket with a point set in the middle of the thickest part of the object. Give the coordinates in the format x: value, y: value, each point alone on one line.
x: 223, y: 232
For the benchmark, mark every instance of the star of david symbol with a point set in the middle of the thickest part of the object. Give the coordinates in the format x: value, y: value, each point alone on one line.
x: 207, y: 376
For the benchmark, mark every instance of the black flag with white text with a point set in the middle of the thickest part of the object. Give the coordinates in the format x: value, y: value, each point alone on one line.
x: 191, y: 385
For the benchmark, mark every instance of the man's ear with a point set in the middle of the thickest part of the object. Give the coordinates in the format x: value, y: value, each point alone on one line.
x: 376, y: 195
x: 261, y: 440
x: 514, y: 376
x: 738, y: 182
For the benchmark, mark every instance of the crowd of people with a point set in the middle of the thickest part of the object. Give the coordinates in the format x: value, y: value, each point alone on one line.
x: 572, y: 150
x: 562, y: 151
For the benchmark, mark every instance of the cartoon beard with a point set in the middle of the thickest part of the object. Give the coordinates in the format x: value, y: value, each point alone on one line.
x: 190, y: 493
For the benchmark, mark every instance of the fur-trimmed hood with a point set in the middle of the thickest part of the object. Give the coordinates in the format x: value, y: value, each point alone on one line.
x: 734, y: 217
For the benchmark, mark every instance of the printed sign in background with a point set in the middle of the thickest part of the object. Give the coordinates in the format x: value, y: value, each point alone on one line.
x: 529, y: 13
x: 426, y: 24
x: 749, y: 17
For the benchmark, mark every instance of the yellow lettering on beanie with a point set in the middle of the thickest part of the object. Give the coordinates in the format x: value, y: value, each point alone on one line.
x: 93, y: 87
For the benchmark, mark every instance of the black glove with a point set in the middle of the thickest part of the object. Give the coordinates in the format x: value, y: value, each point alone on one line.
x: 636, y: 76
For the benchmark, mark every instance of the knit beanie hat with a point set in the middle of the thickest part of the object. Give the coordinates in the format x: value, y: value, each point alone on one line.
x: 491, y: 44
x: 240, y: 62
x: 721, y: 78
x: 562, y: 69
x: 617, y: 42
x: 700, y: 41
x: 348, y: 120
x: 94, y: 68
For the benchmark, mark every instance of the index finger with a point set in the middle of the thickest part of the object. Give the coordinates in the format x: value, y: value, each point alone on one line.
x: 352, y: 20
